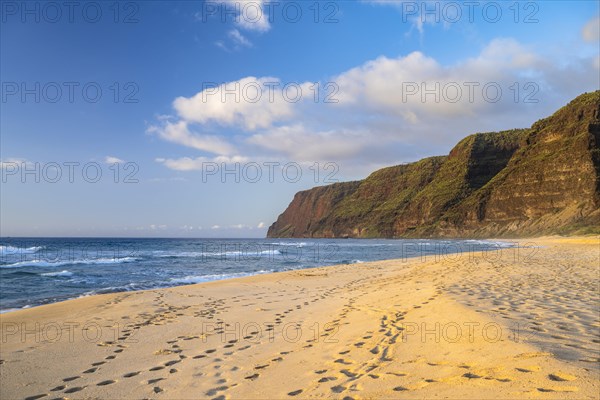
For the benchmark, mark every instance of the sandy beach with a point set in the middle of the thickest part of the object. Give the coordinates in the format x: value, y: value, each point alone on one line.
x: 510, y: 324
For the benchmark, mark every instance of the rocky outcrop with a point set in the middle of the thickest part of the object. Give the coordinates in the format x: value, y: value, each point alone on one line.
x: 540, y: 180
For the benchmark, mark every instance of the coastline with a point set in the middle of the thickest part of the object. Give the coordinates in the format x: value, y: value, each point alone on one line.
x: 38, y: 259
x: 409, y: 328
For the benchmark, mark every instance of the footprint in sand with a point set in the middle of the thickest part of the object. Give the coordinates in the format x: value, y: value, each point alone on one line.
x: 530, y: 368
x: 104, y: 383
x: 338, y: 389
x: 327, y: 379
x: 342, y: 361
x: 559, y: 389
x: 560, y: 376
x: 39, y: 396
x: 214, y: 391
x: 75, y: 389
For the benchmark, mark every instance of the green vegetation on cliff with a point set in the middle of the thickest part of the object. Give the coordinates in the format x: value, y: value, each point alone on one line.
x: 544, y: 179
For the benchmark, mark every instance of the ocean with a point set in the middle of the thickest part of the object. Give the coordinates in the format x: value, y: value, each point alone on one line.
x: 36, y: 271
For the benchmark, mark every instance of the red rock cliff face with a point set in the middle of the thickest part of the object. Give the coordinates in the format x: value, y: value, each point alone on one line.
x: 514, y: 183
x: 309, y: 207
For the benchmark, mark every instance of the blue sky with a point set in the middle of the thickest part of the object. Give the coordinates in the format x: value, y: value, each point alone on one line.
x: 163, y: 118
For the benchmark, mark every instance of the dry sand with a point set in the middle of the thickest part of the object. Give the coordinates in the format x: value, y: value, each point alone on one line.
x: 511, y: 324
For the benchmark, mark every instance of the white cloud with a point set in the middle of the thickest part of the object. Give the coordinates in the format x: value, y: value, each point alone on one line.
x: 215, y: 227
x: 251, y: 14
x: 377, y: 119
x: 249, y: 103
x: 198, y: 163
x: 591, y: 30
x: 113, y: 160
x: 235, y: 41
x: 261, y: 225
x: 399, y: 85
x: 222, y: 45
x: 301, y: 144
x: 179, y: 133
x: 14, y: 164
x: 238, y: 38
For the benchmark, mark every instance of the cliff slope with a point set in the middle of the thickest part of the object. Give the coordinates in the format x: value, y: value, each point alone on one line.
x: 521, y: 182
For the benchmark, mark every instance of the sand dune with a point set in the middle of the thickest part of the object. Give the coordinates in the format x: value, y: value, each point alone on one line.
x: 509, y: 324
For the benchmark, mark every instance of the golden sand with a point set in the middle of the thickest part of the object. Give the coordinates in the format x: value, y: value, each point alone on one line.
x: 512, y: 324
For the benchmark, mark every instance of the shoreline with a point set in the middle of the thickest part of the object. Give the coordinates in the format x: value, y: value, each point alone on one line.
x: 491, y: 241
x: 382, y: 329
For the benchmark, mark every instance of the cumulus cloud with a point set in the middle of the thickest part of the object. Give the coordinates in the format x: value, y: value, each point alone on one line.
x: 178, y: 132
x: 591, y: 30
x: 298, y: 143
x: 249, y: 103
x: 251, y: 14
x: 388, y: 110
x: 416, y: 86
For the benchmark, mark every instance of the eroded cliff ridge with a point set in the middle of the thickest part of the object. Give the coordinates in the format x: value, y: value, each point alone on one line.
x: 541, y: 180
